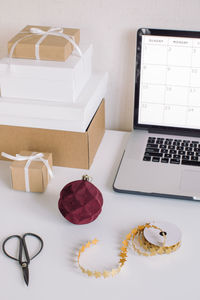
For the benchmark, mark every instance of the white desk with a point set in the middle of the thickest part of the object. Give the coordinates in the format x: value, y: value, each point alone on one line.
x: 54, y: 274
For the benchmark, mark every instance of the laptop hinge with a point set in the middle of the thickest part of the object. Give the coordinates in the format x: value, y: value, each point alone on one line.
x: 174, y: 132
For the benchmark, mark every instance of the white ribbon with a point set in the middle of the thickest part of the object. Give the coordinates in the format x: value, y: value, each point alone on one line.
x: 33, y: 157
x: 55, y: 31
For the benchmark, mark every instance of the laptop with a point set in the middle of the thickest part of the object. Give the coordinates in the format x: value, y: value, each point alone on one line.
x: 162, y: 157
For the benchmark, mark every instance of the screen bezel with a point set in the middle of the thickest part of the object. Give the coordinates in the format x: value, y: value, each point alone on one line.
x: 157, y: 32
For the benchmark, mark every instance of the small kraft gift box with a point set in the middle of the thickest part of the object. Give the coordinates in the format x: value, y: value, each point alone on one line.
x: 44, y: 42
x: 30, y: 171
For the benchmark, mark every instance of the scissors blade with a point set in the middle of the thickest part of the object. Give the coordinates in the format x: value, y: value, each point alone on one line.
x: 25, y: 273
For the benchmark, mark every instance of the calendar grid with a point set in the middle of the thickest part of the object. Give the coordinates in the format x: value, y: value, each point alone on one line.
x: 176, y: 66
x: 170, y: 82
x: 164, y: 100
x: 181, y: 105
x: 174, y: 85
x: 188, y: 95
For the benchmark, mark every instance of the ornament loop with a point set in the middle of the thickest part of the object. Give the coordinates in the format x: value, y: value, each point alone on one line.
x: 86, y: 177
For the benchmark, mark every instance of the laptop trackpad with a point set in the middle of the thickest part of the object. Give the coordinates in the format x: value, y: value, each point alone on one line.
x: 190, y: 181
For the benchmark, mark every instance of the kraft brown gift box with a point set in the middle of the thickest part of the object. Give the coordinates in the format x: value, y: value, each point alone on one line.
x: 69, y: 149
x: 37, y: 172
x: 51, y: 48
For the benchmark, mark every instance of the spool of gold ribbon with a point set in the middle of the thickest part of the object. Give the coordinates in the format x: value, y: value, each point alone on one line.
x: 140, y: 244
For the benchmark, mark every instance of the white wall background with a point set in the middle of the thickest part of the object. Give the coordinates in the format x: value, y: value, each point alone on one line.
x: 111, y: 26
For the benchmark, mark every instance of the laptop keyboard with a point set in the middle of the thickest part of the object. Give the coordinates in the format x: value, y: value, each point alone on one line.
x: 173, y: 151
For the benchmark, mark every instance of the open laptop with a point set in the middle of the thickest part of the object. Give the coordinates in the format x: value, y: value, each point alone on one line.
x: 162, y: 157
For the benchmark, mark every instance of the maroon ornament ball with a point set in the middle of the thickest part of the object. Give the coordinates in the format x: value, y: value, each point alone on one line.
x: 80, y: 201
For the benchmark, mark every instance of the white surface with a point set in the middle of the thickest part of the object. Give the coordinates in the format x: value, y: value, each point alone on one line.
x: 111, y: 27
x: 46, y: 80
x: 54, y: 275
x: 53, y: 115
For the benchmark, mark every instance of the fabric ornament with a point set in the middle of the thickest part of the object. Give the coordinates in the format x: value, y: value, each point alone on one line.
x: 80, y: 201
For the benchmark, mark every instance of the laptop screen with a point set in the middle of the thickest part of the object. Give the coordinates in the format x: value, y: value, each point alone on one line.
x: 168, y: 79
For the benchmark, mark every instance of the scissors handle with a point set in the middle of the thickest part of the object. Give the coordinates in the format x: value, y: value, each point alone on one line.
x: 25, y: 246
x: 4, y: 244
x: 22, y: 246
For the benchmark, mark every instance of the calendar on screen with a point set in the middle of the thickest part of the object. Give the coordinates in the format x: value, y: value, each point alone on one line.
x: 170, y: 81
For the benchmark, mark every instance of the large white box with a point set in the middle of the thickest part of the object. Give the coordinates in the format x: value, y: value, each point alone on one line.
x: 46, y: 80
x: 53, y: 115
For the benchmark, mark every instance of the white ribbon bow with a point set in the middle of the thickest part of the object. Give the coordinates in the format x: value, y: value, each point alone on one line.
x: 56, y: 31
x: 33, y: 157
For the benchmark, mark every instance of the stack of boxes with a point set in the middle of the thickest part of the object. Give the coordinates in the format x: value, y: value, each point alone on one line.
x: 51, y: 101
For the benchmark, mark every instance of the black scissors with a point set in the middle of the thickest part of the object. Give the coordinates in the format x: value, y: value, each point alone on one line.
x: 23, y: 250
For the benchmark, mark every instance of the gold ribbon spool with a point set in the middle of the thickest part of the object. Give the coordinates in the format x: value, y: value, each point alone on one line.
x: 138, y: 242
